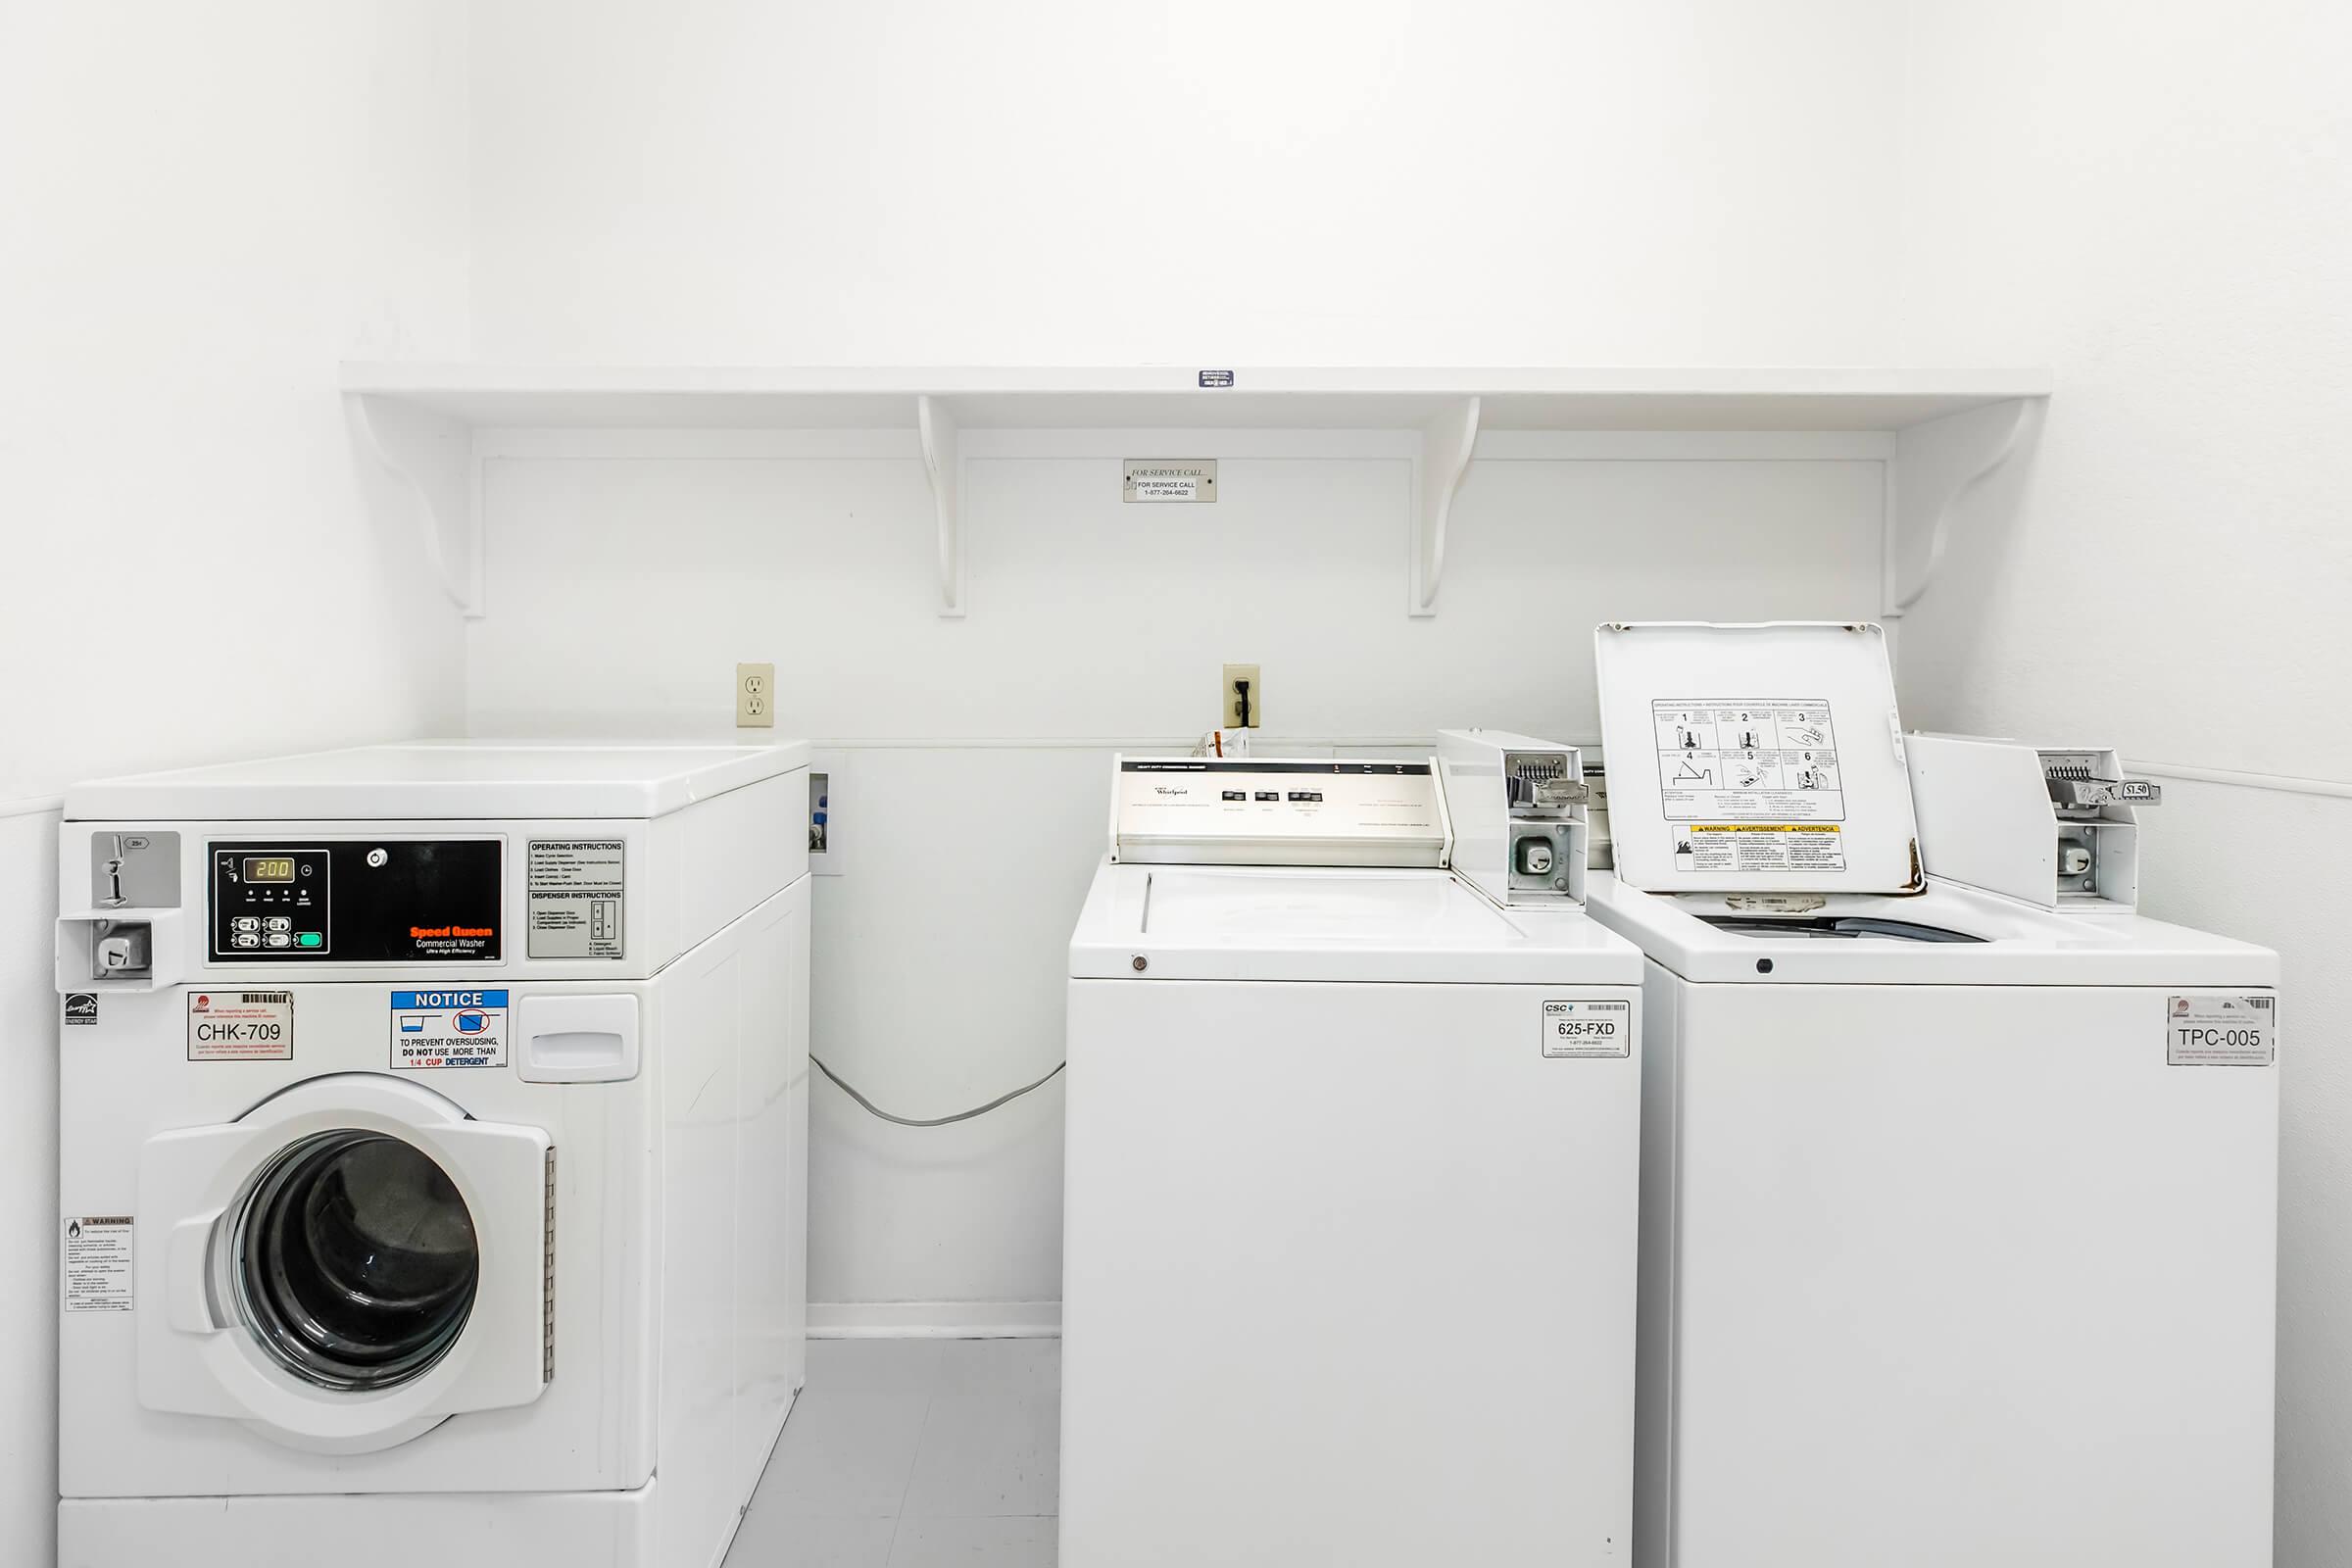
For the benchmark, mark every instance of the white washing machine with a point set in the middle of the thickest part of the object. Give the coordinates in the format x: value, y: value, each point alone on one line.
x: 433, y: 1140
x: 1958, y: 1204
x: 1350, y: 1233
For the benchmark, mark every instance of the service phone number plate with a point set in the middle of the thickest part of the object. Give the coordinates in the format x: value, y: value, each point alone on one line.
x: 1582, y: 1029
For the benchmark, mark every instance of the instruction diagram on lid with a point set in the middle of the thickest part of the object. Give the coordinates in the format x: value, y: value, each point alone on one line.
x: 1751, y: 783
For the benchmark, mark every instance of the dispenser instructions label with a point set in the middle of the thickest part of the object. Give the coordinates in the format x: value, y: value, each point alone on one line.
x: 2221, y: 1031
x: 1579, y: 1029
x: 576, y: 889
x: 240, y: 1026
x: 94, y: 1265
x: 448, y: 1029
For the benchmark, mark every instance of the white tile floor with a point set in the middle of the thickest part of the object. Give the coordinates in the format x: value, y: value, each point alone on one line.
x: 909, y: 1453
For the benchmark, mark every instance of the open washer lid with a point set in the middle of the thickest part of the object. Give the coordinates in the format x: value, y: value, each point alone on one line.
x: 1755, y: 758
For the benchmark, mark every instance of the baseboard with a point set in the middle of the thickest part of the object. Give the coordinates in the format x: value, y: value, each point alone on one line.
x: 934, y: 1320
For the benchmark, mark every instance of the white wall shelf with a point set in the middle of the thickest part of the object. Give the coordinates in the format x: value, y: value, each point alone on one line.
x: 1447, y: 408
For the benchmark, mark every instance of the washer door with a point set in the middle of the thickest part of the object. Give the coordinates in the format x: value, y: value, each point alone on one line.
x: 344, y: 1266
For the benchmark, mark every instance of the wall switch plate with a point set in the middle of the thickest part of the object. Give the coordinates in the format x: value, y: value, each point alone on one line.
x: 755, y: 697
x: 1245, y: 705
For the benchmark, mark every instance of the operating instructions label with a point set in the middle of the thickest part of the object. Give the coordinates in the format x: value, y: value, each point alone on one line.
x: 94, y: 1266
x: 576, y: 889
x: 2220, y: 1031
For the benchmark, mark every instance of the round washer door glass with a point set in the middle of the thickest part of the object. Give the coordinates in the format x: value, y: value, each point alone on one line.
x: 354, y: 1260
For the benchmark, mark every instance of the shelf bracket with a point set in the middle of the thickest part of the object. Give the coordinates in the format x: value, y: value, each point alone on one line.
x: 1446, y: 445
x: 421, y: 475
x: 1936, y: 464
x: 941, y: 462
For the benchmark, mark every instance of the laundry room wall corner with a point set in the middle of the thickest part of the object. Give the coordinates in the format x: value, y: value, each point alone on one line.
x: 2167, y: 577
x: 29, y: 1176
x: 212, y: 207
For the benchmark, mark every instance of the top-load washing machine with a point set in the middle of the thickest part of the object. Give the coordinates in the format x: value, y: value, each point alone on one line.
x: 433, y: 1140
x: 1958, y: 1195
x: 1351, y: 1162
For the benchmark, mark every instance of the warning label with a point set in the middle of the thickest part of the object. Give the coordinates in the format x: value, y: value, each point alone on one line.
x: 95, y: 1264
x: 575, y: 889
x: 1759, y: 847
x: 240, y: 1026
x: 2236, y: 1031
x: 1771, y: 760
x: 449, y: 1029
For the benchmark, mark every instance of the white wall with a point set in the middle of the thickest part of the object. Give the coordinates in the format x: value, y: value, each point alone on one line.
x: 2154, y: 200
x: 1262, y: 181
x: 917, y: 182
x: 205, y: 207
x: 972, y: 813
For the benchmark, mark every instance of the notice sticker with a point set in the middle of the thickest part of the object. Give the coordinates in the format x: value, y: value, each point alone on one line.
x: 94, y: 1266
x: 2220, y: 1031
x: 576, y: 890
x: 240, y: 1026
x: 434, y: 1029
x: 1584, y: 1029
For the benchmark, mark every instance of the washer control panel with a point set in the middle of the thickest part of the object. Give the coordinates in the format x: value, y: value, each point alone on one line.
x: 357, y: 901
x: 272, y: 900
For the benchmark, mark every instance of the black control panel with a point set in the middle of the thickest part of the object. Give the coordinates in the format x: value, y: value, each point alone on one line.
x: 357, y: 901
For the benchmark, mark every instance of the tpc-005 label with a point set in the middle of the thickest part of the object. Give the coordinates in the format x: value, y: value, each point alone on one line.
x: 1573, y: 1029
x: 2220, y: 1031
x: 448, y: 1029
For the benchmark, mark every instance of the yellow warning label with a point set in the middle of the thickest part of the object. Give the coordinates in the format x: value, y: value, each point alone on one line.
x: 1758, y: 847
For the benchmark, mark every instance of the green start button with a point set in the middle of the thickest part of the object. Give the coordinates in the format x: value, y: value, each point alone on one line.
x: 308, y: 938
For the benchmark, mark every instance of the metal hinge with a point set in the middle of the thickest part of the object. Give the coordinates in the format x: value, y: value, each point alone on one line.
x: 547, y: 1324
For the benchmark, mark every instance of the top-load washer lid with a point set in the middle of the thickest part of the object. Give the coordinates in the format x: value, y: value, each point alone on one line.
x: 452, y: 779
x: 1755, y: 758
x: 1199, y: 922
x: 1947, y: 935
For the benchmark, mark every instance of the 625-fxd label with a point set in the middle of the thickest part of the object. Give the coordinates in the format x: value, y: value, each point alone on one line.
x: 1582, y: 1029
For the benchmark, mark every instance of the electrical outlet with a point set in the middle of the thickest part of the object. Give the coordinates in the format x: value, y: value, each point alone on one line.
x: 755, y: 697
x: 1245, y: 697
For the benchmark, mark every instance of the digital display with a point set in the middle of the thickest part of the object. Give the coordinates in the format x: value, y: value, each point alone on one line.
x: 268, y: 869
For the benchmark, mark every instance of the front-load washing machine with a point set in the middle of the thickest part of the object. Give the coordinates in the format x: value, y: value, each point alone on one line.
x: 1958, y: 1206
x: 1352, y: 1164
x: 432, y: 1154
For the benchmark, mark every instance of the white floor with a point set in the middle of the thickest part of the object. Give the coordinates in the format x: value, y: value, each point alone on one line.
x: 907, y: 1453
